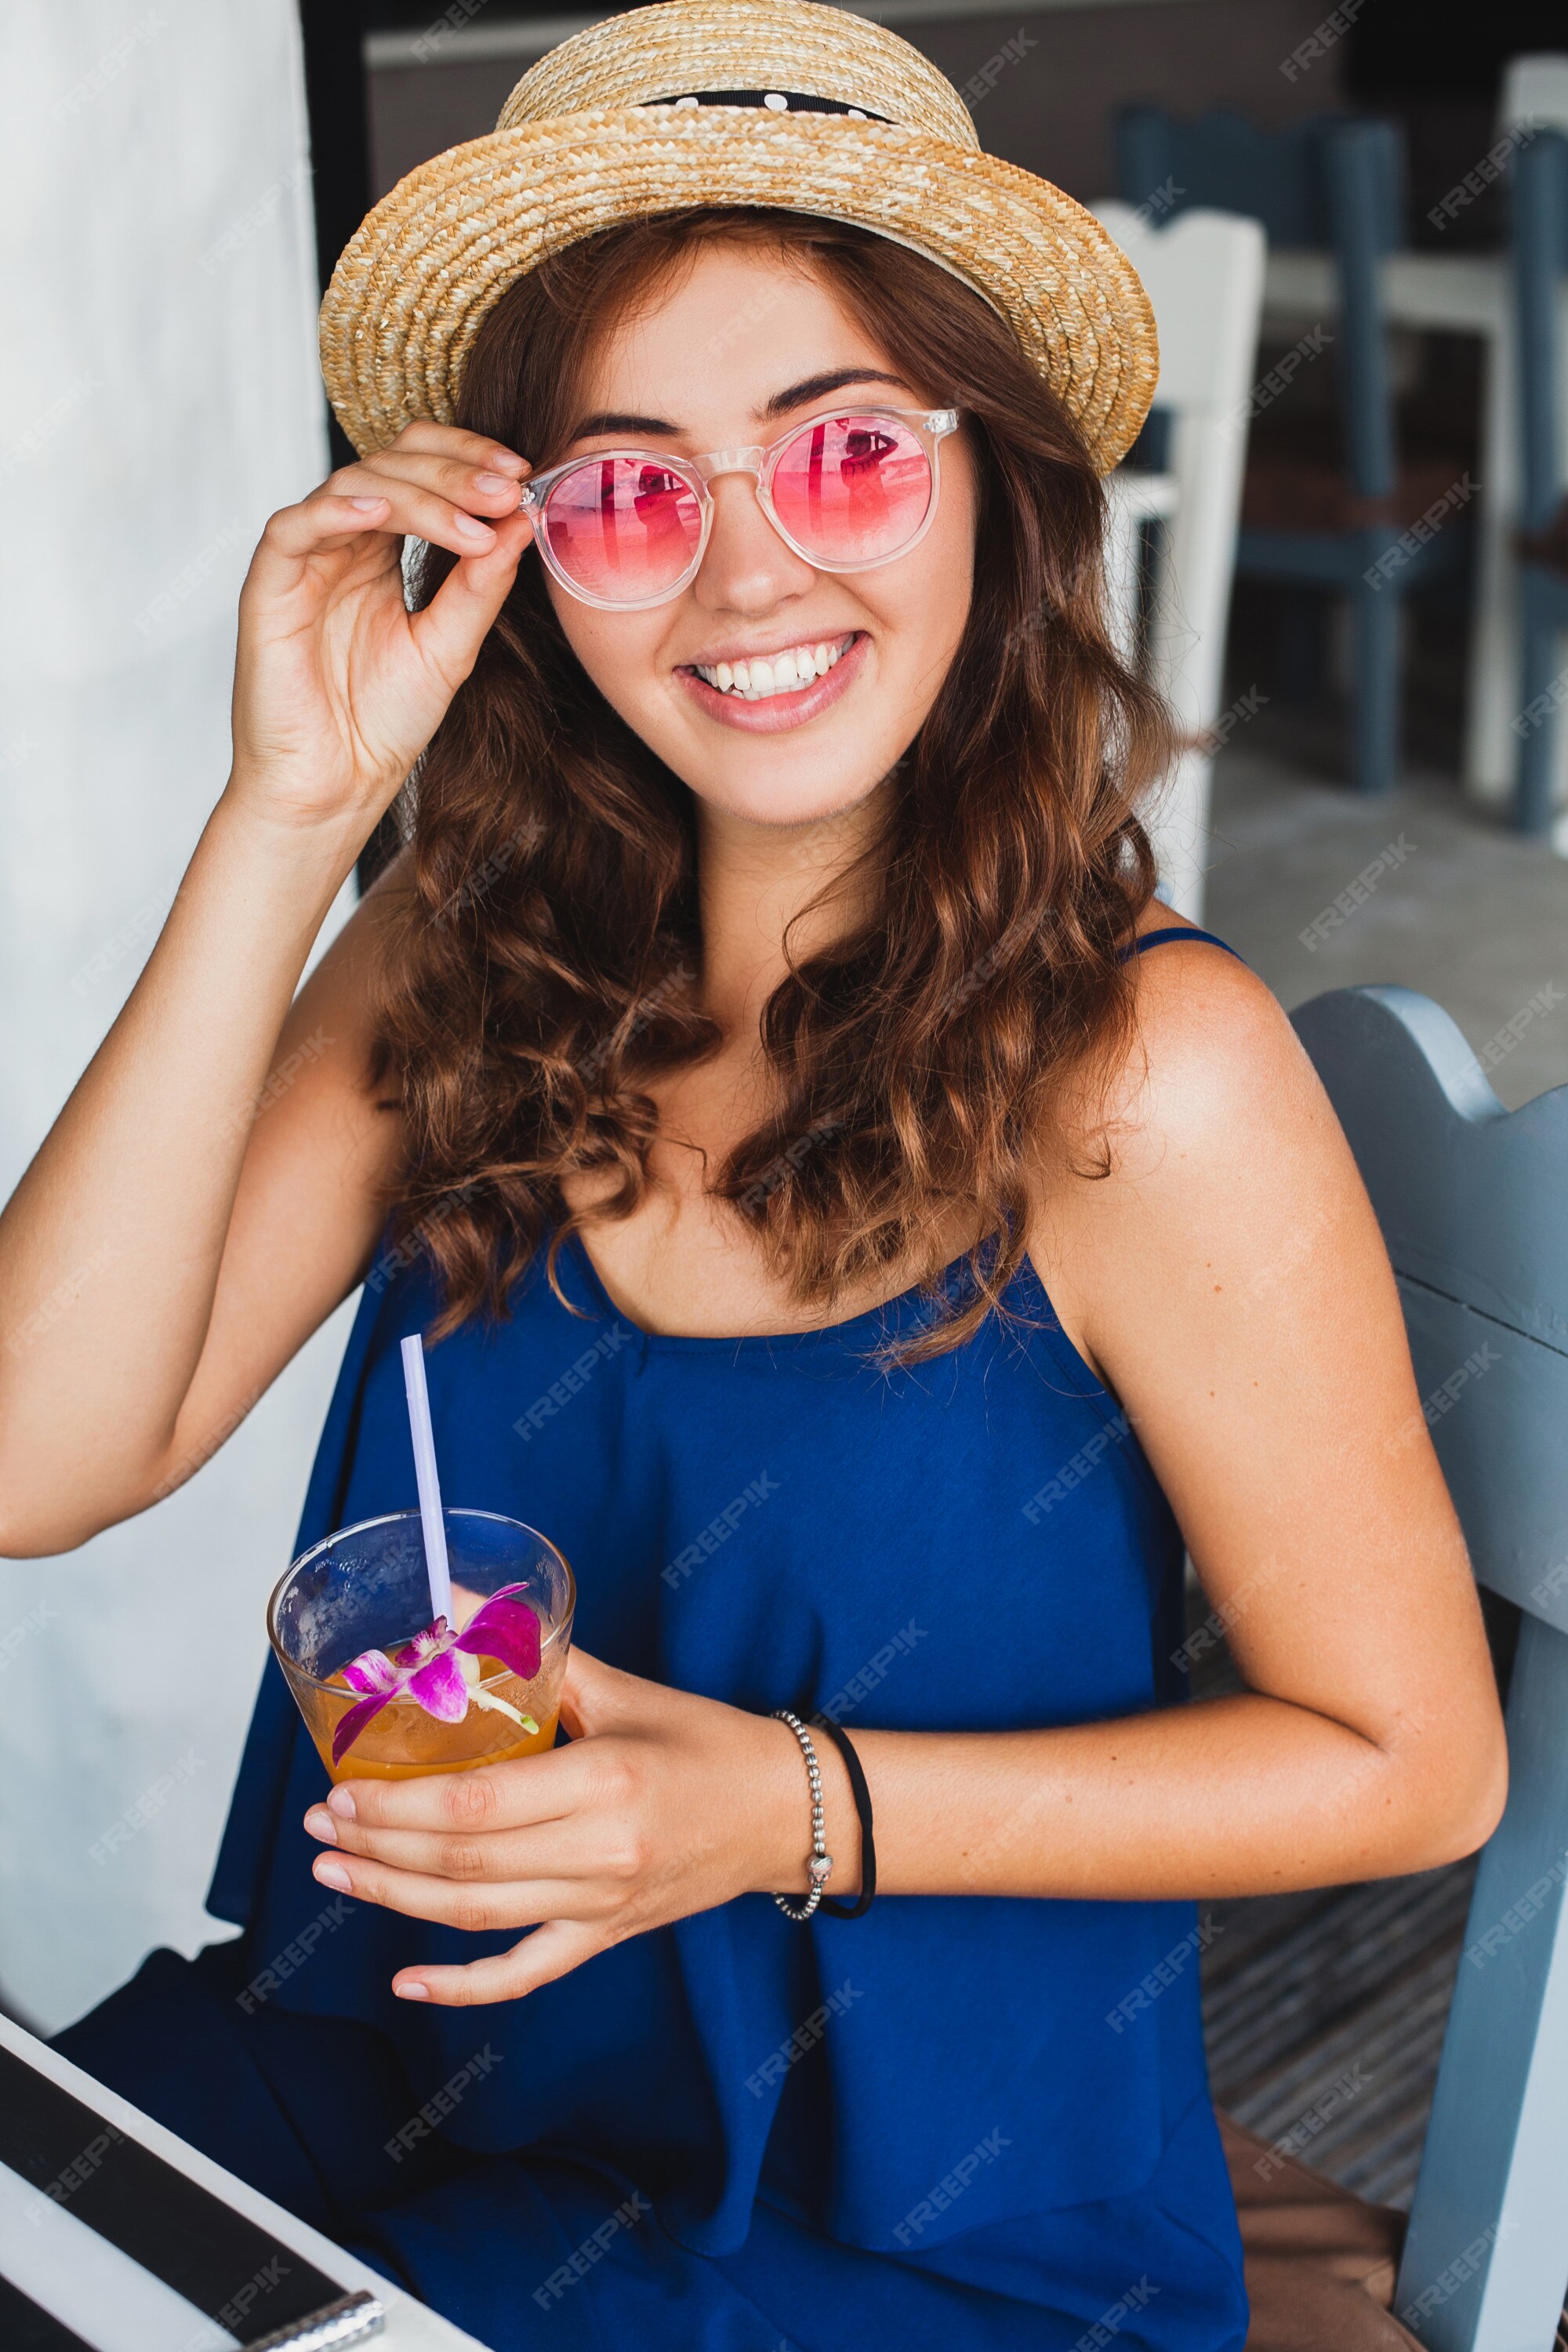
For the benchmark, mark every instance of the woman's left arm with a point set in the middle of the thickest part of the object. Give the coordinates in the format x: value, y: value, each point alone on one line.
x: 1228, y: 1280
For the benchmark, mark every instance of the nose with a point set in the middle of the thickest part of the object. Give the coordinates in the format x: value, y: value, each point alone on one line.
x: 746, y: 567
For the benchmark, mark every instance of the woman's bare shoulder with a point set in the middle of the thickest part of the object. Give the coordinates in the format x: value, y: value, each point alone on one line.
x: 1209, y: 1138
x: 1213, y: 1054
x: 1209, y: 1054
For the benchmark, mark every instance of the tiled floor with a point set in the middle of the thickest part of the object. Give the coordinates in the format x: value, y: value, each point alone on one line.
x: 1324, y: 2016
x: 1462, y: 909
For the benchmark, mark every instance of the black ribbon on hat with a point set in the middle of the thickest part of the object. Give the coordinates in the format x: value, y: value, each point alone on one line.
x: 777, y: 101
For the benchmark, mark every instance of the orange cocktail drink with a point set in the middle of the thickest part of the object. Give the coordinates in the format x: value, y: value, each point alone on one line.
x: 386, y: 1695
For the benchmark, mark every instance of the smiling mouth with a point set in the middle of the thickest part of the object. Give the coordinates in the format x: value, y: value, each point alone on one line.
x: 768, y: 677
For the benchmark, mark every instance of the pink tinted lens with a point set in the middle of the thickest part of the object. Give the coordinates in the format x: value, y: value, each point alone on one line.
x: 623, y: 529
x: 852, y: 490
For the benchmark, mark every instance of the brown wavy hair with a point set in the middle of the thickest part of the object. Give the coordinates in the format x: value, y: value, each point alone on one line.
x: 544, y: 963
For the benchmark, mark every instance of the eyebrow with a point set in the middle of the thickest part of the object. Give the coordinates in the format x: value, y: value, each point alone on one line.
x: 818, y: 387
x: 795, y: 395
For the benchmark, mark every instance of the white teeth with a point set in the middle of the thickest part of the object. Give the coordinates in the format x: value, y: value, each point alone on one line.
x: 781, y: 673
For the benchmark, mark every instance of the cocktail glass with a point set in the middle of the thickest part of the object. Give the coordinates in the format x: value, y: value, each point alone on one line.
x: 367, y: 1588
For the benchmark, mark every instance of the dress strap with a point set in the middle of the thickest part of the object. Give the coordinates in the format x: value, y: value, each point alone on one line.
x: 1178, y: 931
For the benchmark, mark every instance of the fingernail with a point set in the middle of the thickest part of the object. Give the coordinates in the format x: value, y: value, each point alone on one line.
x: 470, y: 526
x: 509, y: 458
x: 367, y: 505
x: 343, y: 1805
x: 412, y: 1992
x: 332, y: 1873
x: 489, y: 482
x: 321, y: 1824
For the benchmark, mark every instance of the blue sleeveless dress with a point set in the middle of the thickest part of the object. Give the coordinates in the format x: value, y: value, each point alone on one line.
x: 976, y: 2123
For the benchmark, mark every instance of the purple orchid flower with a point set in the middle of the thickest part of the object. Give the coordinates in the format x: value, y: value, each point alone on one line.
x: 440, y: 1669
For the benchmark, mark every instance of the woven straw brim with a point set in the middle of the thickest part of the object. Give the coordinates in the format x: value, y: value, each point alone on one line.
x: 415, y: 284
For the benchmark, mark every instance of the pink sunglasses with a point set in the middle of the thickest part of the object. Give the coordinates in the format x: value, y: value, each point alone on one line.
x: 628, y: 527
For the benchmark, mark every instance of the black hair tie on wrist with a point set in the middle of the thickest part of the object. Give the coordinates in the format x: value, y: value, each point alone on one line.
x: 862, y: 1796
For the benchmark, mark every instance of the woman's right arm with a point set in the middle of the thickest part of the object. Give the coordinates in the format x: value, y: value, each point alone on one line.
x: 212, y: 1188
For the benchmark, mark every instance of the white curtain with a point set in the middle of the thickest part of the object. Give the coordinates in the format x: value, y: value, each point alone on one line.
x: 160, y: 397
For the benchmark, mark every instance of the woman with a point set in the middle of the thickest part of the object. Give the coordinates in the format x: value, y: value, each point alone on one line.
x: 829, y: 1223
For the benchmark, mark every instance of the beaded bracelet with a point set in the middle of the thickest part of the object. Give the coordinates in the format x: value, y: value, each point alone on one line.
x: 820, y: 1862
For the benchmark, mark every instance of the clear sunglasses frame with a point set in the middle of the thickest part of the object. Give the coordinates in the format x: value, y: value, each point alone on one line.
x: 931, y: 424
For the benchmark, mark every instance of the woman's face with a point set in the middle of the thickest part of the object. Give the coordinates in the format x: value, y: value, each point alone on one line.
x: 744, y: 345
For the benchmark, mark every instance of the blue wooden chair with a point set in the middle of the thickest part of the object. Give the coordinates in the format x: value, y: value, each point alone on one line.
x: 1326, y: 512
x: 1471, y: 1202
x: 1540, y: 207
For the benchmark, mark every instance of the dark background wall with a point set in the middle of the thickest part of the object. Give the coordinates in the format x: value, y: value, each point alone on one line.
x: 1049, y: 111
x: 1438, y: 69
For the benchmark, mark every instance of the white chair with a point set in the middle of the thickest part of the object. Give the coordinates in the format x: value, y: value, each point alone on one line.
x: 1204, y: 275
x: 1535, y: 93
x: 1534, y: 89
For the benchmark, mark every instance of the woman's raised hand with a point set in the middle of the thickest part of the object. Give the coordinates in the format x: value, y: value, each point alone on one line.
x: 338, y: 687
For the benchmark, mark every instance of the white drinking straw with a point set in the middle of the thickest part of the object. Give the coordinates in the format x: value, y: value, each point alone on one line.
x: 423, y: 1438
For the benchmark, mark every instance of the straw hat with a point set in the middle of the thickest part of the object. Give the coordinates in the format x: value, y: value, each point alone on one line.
x: 771, y: 103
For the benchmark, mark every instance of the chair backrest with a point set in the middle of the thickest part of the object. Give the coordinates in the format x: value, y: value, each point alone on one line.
x: 1332, y: 181
x: 1224, y: 162
x: 1538, y: 192
x: 1203, y: 277
x: 1471, y: 1200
